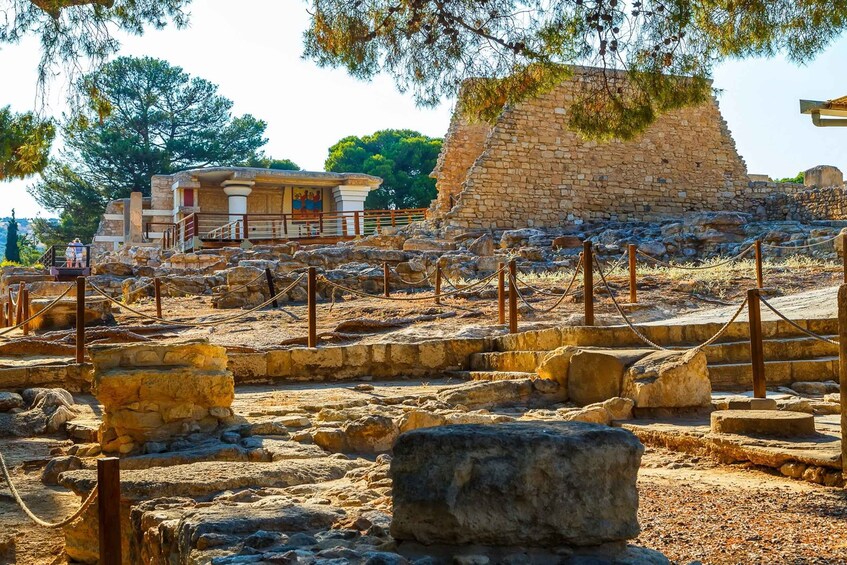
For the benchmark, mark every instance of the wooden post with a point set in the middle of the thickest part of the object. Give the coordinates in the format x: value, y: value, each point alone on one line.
x: 10, y: 304
x: 24, y: 297
x: 513, y: 297
x: 588, y: 282
x: 438, y: 284
x: 270, y: 278
x: 80, y: 319
x: 386, y: 280
x: 109, y: 509
x: 842, y: 361
x: 20, y: 306
x: 356, y: 227
x: 633, y: 291
x: 844, y: 254
x: 757, y: 352
x: 3, y: 315
x: 157, y: 291
x: 501, y: 294
x: 759, y: 276
x: 312, y: 287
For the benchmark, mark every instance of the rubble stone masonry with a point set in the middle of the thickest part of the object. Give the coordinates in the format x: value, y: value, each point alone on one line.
x: 529, y: 170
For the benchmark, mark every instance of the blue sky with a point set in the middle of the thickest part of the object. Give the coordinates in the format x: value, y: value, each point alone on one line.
x: 254, y: 55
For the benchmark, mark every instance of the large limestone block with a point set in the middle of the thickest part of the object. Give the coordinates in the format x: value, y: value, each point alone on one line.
x: 488, y: 393
x: 556, y: 364
x: 596, y: 375
x: 62, y: 315
x: 669, y: 379
x: 521, y: 484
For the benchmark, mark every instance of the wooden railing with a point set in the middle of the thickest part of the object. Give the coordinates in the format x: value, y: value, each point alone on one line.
x: 235, y: 228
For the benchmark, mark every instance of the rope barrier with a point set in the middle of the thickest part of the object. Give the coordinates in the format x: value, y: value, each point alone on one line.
x: 555, y: 304
x: 542, y: 290
x: 85, y: 503
x: 806, y: 246
x: 200, y: 324
x: 170, y: 286
x: 723, y: 328
x: 408, y: 298
x: 39, y: 313
x: 623, y: 315
x: 701, y: 267
x: 796, y: 325
x: 411, y: 283
x: 458, y: 288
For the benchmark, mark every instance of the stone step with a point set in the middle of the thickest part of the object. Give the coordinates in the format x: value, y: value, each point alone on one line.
x: 491, y: 375
x: 781, y: 349
x: 622, y: 336
x: 739, y: 376
x: 507, y: 361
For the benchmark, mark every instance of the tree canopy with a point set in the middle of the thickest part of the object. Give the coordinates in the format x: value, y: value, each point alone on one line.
x: 653, y: 55
x: 271, y: 163
x: 12, y: 252
x: 403, y: 158
x: 143, y: 117
x: 24, y: 144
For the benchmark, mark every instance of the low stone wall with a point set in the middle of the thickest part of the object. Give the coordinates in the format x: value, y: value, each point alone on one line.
x: 377, y: 360
x: 807, y: 204
x: 156, y: 393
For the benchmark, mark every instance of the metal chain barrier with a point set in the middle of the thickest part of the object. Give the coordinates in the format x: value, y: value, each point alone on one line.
x: 39, y: 313
x: 343, y: 288
x: 199, y: 323
x: 85, y: 503
x: 809, y: 333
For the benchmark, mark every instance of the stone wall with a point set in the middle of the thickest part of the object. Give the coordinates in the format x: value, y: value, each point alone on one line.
x: 532, y: 171
x: 826, y: 203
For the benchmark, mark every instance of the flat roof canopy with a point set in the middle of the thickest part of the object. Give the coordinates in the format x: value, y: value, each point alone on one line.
x: 835, y: 108
x: 271, y: 177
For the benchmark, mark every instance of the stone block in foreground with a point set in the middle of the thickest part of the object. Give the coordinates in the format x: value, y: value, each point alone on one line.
x: 516, y: 484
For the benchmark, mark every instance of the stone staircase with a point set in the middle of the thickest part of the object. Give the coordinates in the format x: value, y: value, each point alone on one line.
x: 790, y: 355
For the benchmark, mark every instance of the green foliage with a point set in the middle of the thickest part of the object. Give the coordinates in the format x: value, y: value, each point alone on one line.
x: 263, y: 162
x: 402, y: 158
x: 24, y: 144
x: 801, y: 176
x: 12, y: 253
x: 71, y: 31
x: 30, y: 251
x: 143, y: 117
x: 652, y: 55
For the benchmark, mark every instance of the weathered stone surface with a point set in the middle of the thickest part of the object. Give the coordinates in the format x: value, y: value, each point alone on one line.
x: 763, y: 422
x: 667, y: 379
x: 371, y: 434
x: 556, y: 364
x: 488, y: 393
x: 815, y: 388
x: 602, y: 412
x: 483, y: 246
x: 596, y: 375
x: 10, y: 400
x: 516, y: 484
x: 157, y: 392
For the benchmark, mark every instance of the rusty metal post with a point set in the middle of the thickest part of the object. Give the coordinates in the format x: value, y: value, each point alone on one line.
x: 312, y: 288
x: 513, y: 297
x: 633, y: 291
x: 842, y: 361
x: 844, y: 254
x: 501, y: 294
x: 270, y: 278
x: 757, y: 352
x: 438, y: 284
x: 157, y: 291
x: 24, y: 297
x: 588, y: 282
x: 80, y: 319
x: 386, y: 280
x: 109, y: 509
x: 759, y: 275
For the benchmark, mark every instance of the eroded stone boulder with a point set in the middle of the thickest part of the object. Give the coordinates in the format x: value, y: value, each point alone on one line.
x: 669, y: 379
x: 596, y: 375
x: 488, y: 393
x: 522, y: 484
x: 556, y: 364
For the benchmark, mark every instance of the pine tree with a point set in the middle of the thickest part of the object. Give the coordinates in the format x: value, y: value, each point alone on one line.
x: 13, y: 253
